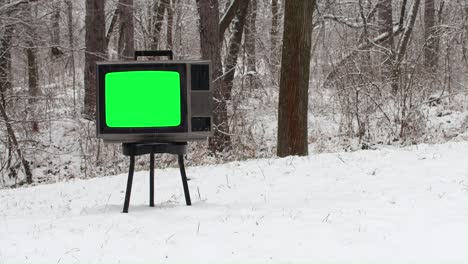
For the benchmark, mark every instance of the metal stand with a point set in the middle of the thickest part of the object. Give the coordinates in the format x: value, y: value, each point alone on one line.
x: 136, y: 149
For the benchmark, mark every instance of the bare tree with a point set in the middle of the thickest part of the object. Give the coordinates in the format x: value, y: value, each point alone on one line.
x: 294, y: 82
x: 405, y: 39
x: 126, y: 31
x: 156, y: 21
x: 385, y: 24
x: 71, y: 44
x: 465, y: 46
x: 250, y: 36
x: 430, y: 54
x: 14, y: 141
x: 274, y: 32
x: 210, y: 44
x: 5, y: 62
x: 112, y: 24
x: 170, y: 23
x: 33, y: 75
x: 229, y: 15
x: 95, y: 50
x: 7, y: 30
x: 234, y: 46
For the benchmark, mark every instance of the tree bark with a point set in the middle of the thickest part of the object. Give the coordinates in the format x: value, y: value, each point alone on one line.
x: 274, y: 32
x: 110, y: 30
x: 170, y: 23
x: 465, y: 44
x: 126, y: 44
x: 71, y: 43
x: 408, y: 31
x: 210, y: 44
x: 33, y: 75
x: 156, y: 24
x: 250, y: 35
x: 385, y: 24
x: 430, y: 55
x: 234, y: 48
x: 404, y: 42
x: 229, y: 15
x: 95, y: 51
x: 55, y: 49
x: 5, y: 63
x: 294, y: 82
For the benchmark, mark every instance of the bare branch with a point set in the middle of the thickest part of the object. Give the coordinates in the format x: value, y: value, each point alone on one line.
x: 229, y: 16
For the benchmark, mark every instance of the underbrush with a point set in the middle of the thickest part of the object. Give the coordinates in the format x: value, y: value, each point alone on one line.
x: 361, y: 118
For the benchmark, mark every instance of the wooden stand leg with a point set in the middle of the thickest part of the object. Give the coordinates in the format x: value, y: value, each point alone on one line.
x: 129, y: 184
x: 184, y: 180
x: 151, y: 194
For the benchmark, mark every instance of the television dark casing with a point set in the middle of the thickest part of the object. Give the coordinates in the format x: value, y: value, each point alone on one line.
x: 196, y: 103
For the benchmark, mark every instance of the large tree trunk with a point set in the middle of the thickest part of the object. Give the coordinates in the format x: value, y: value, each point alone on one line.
x: 126, y: 44
x: 250, y: 36
x: 95, y: 51
x: 430, y: 54
x: 234, y: 48
x: 294, y: 82
x: 210, y: 44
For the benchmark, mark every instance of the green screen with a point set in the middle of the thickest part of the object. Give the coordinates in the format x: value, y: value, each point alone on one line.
x: 142, y: 99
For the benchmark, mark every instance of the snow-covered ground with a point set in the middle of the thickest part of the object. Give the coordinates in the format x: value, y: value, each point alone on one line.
x: 378, y: 206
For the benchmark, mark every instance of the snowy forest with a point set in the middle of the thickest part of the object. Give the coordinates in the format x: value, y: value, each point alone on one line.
x: 339, y: 133
x: 381, y: 72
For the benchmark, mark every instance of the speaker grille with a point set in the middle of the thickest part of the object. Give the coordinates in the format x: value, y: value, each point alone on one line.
x: 201, y: 124
x: 200, y: 77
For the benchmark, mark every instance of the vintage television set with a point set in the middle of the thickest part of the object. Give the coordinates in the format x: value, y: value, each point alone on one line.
x: 153, y: 101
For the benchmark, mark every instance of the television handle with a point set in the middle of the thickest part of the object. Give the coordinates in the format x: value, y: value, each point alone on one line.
x: 153, y: 53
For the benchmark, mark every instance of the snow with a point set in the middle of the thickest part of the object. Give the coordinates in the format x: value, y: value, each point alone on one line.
x: 377, y: 206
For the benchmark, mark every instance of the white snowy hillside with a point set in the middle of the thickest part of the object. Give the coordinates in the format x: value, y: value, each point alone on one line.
x: 378, y: 206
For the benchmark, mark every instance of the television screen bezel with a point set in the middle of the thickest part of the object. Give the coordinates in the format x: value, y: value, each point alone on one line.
x: 108, y: 67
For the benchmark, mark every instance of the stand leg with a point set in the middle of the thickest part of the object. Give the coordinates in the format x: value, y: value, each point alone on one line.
x: 151, y: 197
x: 129, y: 184
x: 184, y: 180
